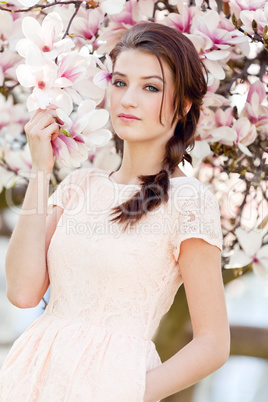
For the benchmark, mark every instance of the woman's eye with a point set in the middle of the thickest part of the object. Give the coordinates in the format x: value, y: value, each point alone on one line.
x: 118, y: 83
x: 152, y: 88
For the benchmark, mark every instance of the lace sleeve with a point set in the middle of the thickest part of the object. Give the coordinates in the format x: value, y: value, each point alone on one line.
x: 198, y: 215
x: 67, y: 188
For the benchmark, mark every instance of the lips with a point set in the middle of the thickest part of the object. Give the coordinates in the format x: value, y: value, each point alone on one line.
x: 124, y: 116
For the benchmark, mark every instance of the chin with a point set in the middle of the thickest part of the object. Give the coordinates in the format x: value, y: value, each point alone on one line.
x: 127, y: 133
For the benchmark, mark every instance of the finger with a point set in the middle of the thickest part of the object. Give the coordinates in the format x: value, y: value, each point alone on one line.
x: 39, y: 115
x: 56, y: 117
x: 45, y: 121
x: 32, y: 120
x: 51, y: 131
x: 52, y: 107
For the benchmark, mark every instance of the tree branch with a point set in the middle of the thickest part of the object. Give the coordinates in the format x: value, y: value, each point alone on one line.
x: 38, y: 7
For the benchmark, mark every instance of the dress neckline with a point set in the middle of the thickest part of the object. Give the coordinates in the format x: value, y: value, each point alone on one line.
x: 113, y: 183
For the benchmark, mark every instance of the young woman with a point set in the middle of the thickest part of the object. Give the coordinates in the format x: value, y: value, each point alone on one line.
x: 113, y: 278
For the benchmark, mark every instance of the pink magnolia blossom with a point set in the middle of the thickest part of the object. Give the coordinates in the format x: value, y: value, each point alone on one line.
x: 224, y: 117
x: 246, y: 134
x: 251, y: 252
x: 212, y: 43
x: 20, y: 163
x: 86, y: 25
x: 215, y: 100
x: 214, y: 60
x: 82, y: 135
x: 9, y: 60
x: 259, y: 15
x: 182, y: 21
x: 46, y: 37
x: 103, y: 77
x: 12, y: 118
x: 112, y: 6
x: 118, y: 25
x: 209, y: 24
x: 41, y: 73
x: 6, y: 26
x: 80, y: 69
x: 239, y: 5
x: 254, y: 108
x: 10, y: 30
x: 147, y: 7
x: 224, y: 134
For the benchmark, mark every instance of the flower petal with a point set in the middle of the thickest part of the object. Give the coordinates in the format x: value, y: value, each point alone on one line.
x: 97, y: 120
x: 239, y: 259
x: 249, y: 241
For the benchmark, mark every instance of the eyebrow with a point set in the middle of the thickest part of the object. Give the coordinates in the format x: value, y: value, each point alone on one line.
x: 143, y: 78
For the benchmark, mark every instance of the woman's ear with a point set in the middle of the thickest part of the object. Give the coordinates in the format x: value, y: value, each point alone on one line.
x: 187, y: 107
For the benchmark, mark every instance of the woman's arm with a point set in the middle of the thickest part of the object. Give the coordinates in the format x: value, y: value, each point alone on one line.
x: 25, y: 263
x: 200, y: 266
x: 26, y: 270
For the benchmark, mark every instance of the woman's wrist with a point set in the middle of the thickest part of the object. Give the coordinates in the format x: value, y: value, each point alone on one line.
x: 149, y: 395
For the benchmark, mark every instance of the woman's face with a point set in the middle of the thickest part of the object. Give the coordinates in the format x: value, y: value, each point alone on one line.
x: 137, y: 90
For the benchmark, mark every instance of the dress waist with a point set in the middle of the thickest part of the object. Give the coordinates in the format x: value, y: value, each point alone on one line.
x: 108, y: 330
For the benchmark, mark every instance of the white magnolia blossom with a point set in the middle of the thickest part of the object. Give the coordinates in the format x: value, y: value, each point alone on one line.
x: 252, y: 251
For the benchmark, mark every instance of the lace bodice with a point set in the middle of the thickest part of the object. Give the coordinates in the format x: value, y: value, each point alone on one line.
x: 122, y: 281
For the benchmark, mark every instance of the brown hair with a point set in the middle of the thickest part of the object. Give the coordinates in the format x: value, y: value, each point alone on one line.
x: 179, y: 53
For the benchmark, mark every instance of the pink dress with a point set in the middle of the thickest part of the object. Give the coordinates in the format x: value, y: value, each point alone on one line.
x: 108, y: 292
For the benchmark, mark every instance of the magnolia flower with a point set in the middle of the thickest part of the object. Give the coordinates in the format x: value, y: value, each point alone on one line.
x: 41, y: 73
x: 82, y: 135
x: 83, y: 85
x: 6, y: 26
x: 215, y: 100
x: 259, y: 15
x: 224, y: 117
x: 28, y: 3
x: 199, y: 152
x: 214, y: 60
x: 47, y: 38
x: 254, y: 109
x: 212, y: 43
x: 246, y: 134
x: 242, y: 133
x: 252, y: 252
x: 86, y: 25
x: 112, y: 6
x: 147, y: 7
x: 8, y: 179
x: 103, y: 77
x: 8, y: 62
x: 12, y: 118
x: 118, y: 25
x: 247, y: 4
x: 182, y: 21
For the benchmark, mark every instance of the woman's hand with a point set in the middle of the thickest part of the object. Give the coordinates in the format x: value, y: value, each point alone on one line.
x: 40, y: 130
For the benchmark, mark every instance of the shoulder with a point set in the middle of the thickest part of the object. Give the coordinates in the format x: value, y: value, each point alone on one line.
x: 78, y: 174
x: 191, y: 193
x: 190, y: 186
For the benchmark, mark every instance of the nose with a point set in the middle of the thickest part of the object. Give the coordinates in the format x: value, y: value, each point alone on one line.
x: 129, y: 98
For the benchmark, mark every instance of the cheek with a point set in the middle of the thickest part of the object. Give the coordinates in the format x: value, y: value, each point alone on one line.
x: 113, y: 103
